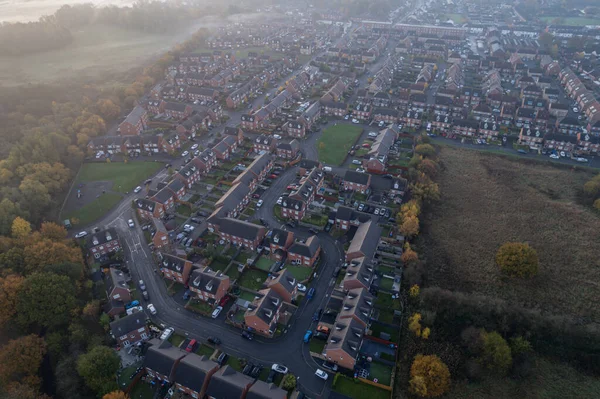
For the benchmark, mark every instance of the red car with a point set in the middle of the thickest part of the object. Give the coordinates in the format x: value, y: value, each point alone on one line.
x: 224, y: 300
x: 366, y: 145
x: 273, y: 176
x: 291, y: 187
x: 190, y: 346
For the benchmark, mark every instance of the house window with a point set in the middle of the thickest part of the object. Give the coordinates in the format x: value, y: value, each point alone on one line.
x: 144, y: 335
x: 126, y: 343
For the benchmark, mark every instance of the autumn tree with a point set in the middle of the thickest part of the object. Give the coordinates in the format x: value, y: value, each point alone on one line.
x: 597, y: 204
x: 414, y: 324
x: 98, y: 368
x: 119, y: 395
x: 429, y: 376
x: 20, y: 360
x: 107, y: 109
x: 496, y: 354
x: 414, y: 291
x: 428, y: 167
x: 410, y: 226
x: 12, y: 261
x: 517, y: 259
x: 410, y: 208
x: 20, y: 228
x: 9, y: 291
x: 53, y: 231
x: 47, y: 252
x: 425, y: 150
x: 55, y: 308
x: 408, y: 255
x: 425, y: 191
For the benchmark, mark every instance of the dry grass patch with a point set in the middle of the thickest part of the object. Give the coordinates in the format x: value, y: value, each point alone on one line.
x: 488, y: 200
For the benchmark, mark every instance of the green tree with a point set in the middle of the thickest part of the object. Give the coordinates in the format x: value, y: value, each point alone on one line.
x: 496, y: 354
x: 519, y: 345
x: 517, y: 259
x: 289, y: 382
x: 425, y: 150
x: 98, y: 368
x: 54, y: 310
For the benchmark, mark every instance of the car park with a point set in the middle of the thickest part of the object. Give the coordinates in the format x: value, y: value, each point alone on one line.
x: 190, y: 346
x: 81, y: 234
x: 151, y: 308
x: 279, y: 368
x: 217, y: 312
x: 130, y: 223
x: 321, y: 374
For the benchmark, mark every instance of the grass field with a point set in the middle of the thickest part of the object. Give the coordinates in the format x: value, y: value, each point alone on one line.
x: 300, y: 272
x: 125, y: 176
x: 94, y: 210
x: 549, y: 381
x: 334, y: 144
x: 572, y: 21
x: 458, y: 19
x: 488, y: 200
x: 356, y: 389
x: 252, y: 279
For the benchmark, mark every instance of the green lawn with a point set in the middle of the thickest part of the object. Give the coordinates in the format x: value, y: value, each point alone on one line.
x: 176, y: 339
x: 218, y: 264
x: 334, y: 144
x: 201, y: 307
x: 252, y: 279
x: 386, y: 316
x: 317, y: 220
x: 316, y: 345
x: 234, y: 362
x: 233, y: 272
x: 264, y: 263
x: 356, y: 389
x: 458, y: 19
x: 572, y: 21
x: 385, y: 301
x: 141, y: 391
x: 377, y: 329
x: 300, y: 272
x: 381, y: 372
x: 94, y: 210
x: 204, y: 350
x: 244, y: 256
x: 247, y: 296
x: 125, y: 176
x: 124, y: 378
x: 183, y: 210
x: 386, y: 284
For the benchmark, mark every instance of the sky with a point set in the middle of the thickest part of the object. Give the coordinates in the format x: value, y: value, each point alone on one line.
x: 31, y: 10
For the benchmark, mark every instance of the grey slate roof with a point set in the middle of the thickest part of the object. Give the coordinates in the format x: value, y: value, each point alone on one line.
x: 240, y: 228
x: 127, y: 324
x: 192, y: 371
x: 308, y: 249
x: 228, y: 384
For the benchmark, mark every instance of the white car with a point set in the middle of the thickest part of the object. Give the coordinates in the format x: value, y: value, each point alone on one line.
x: 580, y: 159
x: 356, y: 121
x: 194, y: 146
x: 301, y: 288
x: 356, y: 162
x: 81, y: 234
x: 575, y: 109
x: 381, y: 123
x: 137, y: 189
x: 151, y: 308
x: 277, y: 137
x: 259, y: 203
x: 322, y: 374
x: 373, y: 134
x: 217, y: 312
x: 360, y: 170
x: 130, y: 223
x: 376, y: 211
x: 167, y: 333
x: 562, y: 154
x: 346, y: 117
x: 554, y: 156
x: 279, y: 368
x: 185, y: 154
x: 134, y: 309
x: 279, y: 200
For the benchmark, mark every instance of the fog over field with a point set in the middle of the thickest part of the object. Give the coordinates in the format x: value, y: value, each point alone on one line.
x: 25, y: 11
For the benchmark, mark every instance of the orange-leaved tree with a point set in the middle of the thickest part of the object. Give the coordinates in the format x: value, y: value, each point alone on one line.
x: 429, y: 376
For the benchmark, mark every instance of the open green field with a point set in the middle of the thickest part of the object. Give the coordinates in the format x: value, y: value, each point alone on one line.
x: 572, y: 21
x: 94, y: 210
x: 96, y: 51
x: 336, y: 141
x: 487, y: 200
x: 125, y: 176
x: 458, y: 19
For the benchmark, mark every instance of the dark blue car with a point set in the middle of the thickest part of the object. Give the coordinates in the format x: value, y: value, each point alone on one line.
x: 310, y: 294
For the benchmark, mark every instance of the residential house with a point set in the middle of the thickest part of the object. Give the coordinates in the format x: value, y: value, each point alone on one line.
x: 175, y: 110
x: 175, y: 268
x: 135, y: 122
x: 568, y: 126
x: 193, y: 374
x: 162, y: 359
x: 117, y: 292
x: 365, y: 241
x: 264, y: 143
x: 465, y: 127
x: 101, y: 244
x: 295, y: 128
x: 241, y: 233
x: 189, y: 175
x: 293, y: 208
x: 359, y: 274
x: 160, y: 239
x: 130, y: 330
x: 560, y: 142
x: 264, y: 312
x: 288, y: 150
x: 228, y: 383
x: 346, y: 217
x: 263, y: 390
x: 356, y: 181
x: 236, y: 132
x: 235, y: 199
x: 357, y: 305
x: 333, y: 108
x: 209, y: 285
x: 588, y: 144
x: 284, y: 284
x: 304, y: 253
x: 344, y: 343
x: 279, y: 242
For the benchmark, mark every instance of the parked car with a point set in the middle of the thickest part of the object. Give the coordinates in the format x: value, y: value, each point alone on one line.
x: 301, y: 288
x: 280, y: 368
x: 310, y: 294
x: 145, y: 295
x: 142, y: 285
x: 313, y: 231
x: 133, y: 310
x: 279, y: 200
x: 580, y: 159
x: 360, y: 170
x: 130, y: 223
x: 222, y: 359
x: 320, y: 335
x: 321, y: 374
x: 259, y: 203
x: 330, y: 366
x: 190, y: 345
x: 194, y: 146
x: 248, y: 335
x: 166, y: 333
x: 214, y: 340
x: 355, y: 121
x: 196, y: 220
x: 308, y: 335
x: 216, y: 312
x: 323, y: 329
x: 271, y: 376
x: 356, y: 162
x: 151, y: 308
x: 373, y: 134
x: 185, y: 154
x: 137, y: 189
x: 81, y: 234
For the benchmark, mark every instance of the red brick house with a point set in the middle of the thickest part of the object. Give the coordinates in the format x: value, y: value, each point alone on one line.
x: 344, y: 343
x: 130, y: 330
x: 99, y: 245
x: 533, y: 137
x: 228, y: 383
x: 346, y: 217
x: 160, y: 239
x: 364, y: 243
x: 359, y: 274
x: 162, y: 359
x: 357, y: 306
x: 560, y: 142
x: 288, y: 150
x: 175, y: 268
x: 588, y: 143
x: 284, y: 284
x: 206, y: 160
x: 306, y: 253
x: 264, y: 313
x: 241, y: 233
x: 201, y: 94
x: 465, y: 127
x: 209, y: 285
x: 175, y: 110
x: 264, y: 143
x: 293, y: 208
x: 135, y: 122
x: 356, y: 181
x: 236, y: 132
x: 117, y: 292
x: 295, y: 129
x: 279, y: 242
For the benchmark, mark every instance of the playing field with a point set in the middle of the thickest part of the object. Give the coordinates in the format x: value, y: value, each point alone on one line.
x: 336, y: 141
x: 572, y: 21
x: 125, y: 176
x: 488, y: 200
x: 93, y: 210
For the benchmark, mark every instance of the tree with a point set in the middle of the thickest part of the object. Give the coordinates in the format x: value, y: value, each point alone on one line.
x: 425, y: 150
x: 119, y: 395
x: 410, y: 226
x: 20, y: 228
x: 91, y: 310
x: 517, y: 259
x: 410, y: 208
x: 409, y: 255
x: 496, y: 353
x: 519, y: 345
x: 47, y: 252
x: 9, y: 291
x: 98, y: 368
x: 592, y: 187
x: 54, y: 310
x: 429, y: 376
x: 426, y: 191
x: 289, y: 382
x: 20, y: 360
x: 107, y: 109
x: 597, y: 204
x: 428, y: 167
x: 414, y: 324
x: 53, y: 231
x: 546, y: 39
x: 12, y: 261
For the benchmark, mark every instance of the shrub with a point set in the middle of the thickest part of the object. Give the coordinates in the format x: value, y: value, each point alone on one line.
x: 517, y: 260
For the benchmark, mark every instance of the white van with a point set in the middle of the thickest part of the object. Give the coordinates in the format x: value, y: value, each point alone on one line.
x: 327, y: 169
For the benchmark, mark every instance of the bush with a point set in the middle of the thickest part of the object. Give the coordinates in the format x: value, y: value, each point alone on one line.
x: 496, y: 353
x: 289, y: 382
x: 517, y: 260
